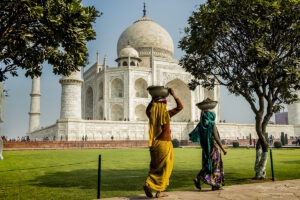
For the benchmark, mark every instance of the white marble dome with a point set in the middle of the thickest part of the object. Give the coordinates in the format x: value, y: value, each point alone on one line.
x: 128, y: 51
x: 145, y: 35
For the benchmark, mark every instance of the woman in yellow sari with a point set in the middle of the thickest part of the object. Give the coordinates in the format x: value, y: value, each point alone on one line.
x: 160, y: 144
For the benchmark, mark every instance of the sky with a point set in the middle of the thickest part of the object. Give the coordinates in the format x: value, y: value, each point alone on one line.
x: 117, y: 16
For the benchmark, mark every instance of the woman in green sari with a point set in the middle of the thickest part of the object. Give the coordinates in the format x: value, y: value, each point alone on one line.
x: 206, y: 133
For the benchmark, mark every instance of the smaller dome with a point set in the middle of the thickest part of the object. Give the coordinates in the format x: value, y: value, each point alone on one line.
x: 128, y: 51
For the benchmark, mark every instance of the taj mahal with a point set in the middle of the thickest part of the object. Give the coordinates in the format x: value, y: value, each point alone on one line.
x: 105, y: 102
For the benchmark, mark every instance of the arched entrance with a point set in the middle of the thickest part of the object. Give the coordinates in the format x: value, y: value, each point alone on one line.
x: 182, y: 91
x: 140, y: 113
x: 117, y: 113
x: 101, y: 113
x: 140, y: 87
x: 100, y: 91
x: 89, y: 102
x: 117, y: 88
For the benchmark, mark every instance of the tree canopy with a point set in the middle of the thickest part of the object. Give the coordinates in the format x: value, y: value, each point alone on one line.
x: 252, y: 47
x: 33, y: 32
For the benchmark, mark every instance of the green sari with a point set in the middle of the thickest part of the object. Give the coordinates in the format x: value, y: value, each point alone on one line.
x: 212, y: 171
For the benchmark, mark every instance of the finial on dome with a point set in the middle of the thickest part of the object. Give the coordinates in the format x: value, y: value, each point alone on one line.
x: 144, y: 11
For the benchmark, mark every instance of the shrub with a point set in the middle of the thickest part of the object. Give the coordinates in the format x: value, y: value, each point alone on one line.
x: 235, y: 144
x: 223, y: 142
x: 282, y: 138
x: 175, y: 143
x: 277, y: 144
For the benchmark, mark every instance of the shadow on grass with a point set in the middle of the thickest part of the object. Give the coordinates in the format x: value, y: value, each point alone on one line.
x: 118, y: 180
x: 122, y: 180
x: 291, y: 162
x: 47, y: 167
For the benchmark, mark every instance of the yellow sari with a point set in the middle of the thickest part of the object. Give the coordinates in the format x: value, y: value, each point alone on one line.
x: 161, y: 152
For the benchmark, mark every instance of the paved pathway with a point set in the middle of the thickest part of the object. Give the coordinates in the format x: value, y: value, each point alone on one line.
x: 277, y: 190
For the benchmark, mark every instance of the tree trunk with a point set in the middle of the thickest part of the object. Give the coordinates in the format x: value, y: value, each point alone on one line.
x: 260, y: 164
x: 1, y: 147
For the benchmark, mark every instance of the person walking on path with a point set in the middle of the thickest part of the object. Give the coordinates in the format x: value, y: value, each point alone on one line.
x: 206, y: 133
x: 160, y: 144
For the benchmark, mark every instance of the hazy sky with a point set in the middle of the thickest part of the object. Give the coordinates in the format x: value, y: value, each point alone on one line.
x: 117, y: 16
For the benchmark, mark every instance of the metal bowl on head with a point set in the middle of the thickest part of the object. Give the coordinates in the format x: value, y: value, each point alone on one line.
x: 207, y: 104
x: 158, y: 91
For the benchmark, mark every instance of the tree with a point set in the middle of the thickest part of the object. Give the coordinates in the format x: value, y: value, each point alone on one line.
x: 33, y: 32
x: 252, y: 47
x: 286, y: 141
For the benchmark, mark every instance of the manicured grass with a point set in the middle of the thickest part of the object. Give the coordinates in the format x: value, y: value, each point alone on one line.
x: 72, y: 174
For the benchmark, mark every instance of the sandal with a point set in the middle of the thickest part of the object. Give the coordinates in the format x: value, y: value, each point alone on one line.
x: 197, y: 183
x: 160, y: 194
x: 148, y: 191
x: 213, y: 188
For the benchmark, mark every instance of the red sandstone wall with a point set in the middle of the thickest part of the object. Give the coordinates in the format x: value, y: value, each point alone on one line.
x: 74, y: 144
x: 98, y: 144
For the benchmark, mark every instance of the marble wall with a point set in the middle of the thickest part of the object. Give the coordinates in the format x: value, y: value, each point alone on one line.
x: 75, y: 130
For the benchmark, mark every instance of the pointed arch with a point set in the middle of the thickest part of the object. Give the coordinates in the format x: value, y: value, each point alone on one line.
x: 140, y: 87
x: 209, y: 93
x: 89, y: 103
x: 117, y: 88
x: 100, y: 90
x: 140, y: 113
x: 132, y: 63
x: 117, y: 112
x: 182, y: 91
x: 101, y: 117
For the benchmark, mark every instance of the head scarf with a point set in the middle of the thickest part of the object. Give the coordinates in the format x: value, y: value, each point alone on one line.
x: 206, y: 129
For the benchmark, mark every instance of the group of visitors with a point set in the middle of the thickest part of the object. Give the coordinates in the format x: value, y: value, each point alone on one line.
x: 17, y: 139
x: 161, y: 148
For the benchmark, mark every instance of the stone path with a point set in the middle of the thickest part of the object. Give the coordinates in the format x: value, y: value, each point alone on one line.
x: 277, y: 190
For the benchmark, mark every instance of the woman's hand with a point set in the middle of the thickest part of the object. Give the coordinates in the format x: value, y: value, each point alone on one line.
x: 224, y: 151
x: 171, y: 91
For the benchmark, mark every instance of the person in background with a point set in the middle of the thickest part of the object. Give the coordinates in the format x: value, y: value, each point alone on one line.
x: 160, y: 144
x: 1, y: 147
x: 206, y: 133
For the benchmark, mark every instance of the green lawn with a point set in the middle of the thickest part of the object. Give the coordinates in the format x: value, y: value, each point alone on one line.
x: 72, y: 174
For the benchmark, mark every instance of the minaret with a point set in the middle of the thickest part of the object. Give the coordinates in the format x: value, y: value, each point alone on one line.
x: 34, y: 114
x: 99, y: 67
x: 71, y: 96
x: 105, y: 61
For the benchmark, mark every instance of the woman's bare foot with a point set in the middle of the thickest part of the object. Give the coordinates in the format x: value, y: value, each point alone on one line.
x: 160, y: 195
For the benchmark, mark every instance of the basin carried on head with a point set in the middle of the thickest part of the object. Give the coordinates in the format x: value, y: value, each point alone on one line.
x: 158, y: 91
x: 207, y: 104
